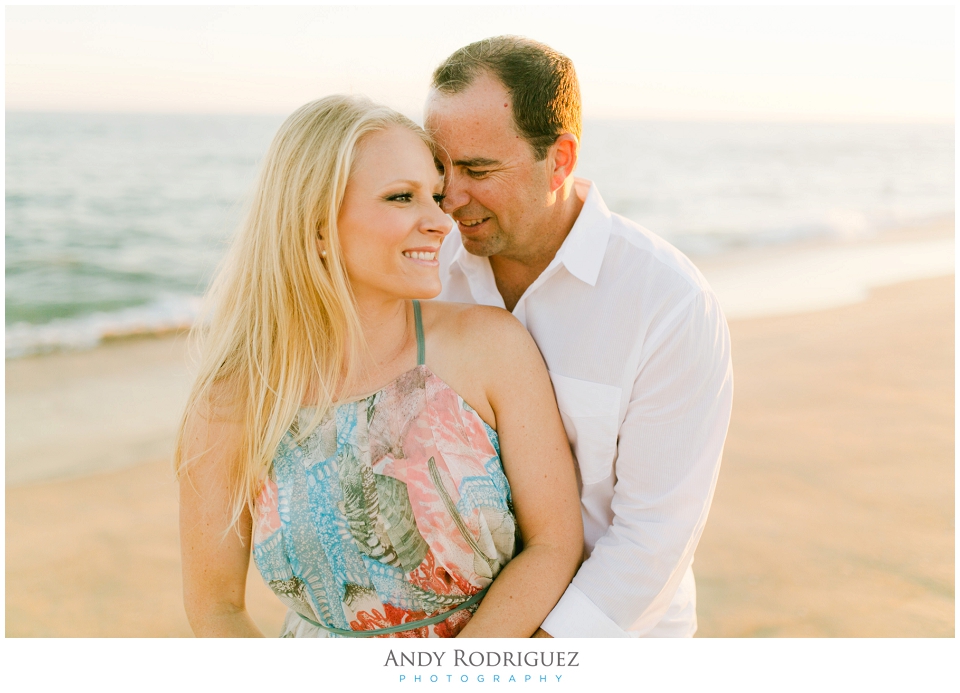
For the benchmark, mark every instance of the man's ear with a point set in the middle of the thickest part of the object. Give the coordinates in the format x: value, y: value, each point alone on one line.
x: 563, y: 158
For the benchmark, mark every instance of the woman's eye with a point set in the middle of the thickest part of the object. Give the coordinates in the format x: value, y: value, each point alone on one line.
x: 401, y: 197
x: 439, y: 199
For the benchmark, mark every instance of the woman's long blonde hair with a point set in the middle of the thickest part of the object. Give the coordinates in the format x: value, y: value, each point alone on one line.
x: 281, y: 321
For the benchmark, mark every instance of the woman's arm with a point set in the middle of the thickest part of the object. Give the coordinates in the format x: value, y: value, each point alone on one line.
x: 539, y: 465
x: 214, y: 558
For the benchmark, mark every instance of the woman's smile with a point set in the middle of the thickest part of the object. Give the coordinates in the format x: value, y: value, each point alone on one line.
x: 423, y: 256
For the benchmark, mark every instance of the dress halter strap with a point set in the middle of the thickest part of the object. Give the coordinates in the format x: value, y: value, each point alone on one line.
x: 421, y: 349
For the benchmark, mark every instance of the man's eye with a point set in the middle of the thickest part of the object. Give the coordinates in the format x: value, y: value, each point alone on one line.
x: 438, y: 198
x: 476, y: 174
x: 401, y: 197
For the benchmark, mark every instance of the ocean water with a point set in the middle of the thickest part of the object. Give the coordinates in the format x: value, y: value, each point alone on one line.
x: 116, y: 223
x: 712, y: 187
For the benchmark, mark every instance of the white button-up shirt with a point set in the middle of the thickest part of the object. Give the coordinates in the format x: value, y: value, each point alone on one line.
x: 639, y: 355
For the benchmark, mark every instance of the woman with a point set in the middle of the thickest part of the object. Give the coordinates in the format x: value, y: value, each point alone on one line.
x: 357, y: 437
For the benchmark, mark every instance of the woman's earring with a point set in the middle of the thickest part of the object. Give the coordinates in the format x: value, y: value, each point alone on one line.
x: 323, y: 253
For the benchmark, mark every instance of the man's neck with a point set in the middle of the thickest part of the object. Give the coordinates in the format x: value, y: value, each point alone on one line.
x: 514, y: 275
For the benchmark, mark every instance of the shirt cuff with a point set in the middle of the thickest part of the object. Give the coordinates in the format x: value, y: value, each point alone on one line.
x: 575, y: 616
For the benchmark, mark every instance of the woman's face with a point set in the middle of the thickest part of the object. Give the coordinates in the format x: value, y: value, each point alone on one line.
x: 390, y: 224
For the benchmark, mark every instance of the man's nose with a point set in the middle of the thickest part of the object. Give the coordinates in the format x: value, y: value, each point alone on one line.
x: 454, y: 192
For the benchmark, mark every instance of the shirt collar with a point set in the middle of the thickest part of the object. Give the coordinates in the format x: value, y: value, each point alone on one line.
x: 582, y: 250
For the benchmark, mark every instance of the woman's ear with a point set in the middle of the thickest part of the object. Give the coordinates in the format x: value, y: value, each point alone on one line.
x: 321, y: 247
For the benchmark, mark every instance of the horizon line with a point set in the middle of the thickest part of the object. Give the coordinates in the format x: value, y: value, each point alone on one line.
x: 666, y: 118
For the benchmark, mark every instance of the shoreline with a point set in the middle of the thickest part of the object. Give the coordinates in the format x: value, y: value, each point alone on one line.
x: 810, y: 276
x: 800, y: 275
x: 833, y: 514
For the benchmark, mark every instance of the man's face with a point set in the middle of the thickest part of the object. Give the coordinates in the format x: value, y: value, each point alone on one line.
x: 494, y: 188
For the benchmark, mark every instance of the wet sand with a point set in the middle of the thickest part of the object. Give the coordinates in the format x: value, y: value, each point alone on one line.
x: 834, y: 512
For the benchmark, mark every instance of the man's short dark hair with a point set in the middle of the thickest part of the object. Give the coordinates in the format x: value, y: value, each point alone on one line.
x: 541, y: 82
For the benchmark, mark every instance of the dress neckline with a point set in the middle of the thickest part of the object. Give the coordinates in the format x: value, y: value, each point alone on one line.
x: 429, y: 373
x: 360, y: 398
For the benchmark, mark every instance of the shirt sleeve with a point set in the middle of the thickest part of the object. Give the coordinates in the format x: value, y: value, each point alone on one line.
x: 668, y: 458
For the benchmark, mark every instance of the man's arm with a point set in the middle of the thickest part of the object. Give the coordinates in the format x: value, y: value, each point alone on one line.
x: 669, y: 450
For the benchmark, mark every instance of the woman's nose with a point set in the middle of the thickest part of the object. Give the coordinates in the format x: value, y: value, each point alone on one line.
x: 436, y: 221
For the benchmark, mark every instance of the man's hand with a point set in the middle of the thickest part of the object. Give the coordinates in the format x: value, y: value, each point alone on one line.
x: 541, y: 633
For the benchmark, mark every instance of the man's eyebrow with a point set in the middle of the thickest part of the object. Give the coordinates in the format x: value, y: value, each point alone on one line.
x: 475, y: 162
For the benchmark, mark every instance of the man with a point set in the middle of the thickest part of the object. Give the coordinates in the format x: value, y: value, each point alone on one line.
x: 634, y: 339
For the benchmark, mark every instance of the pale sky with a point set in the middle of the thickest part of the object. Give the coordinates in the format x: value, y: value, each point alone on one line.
x: 755, y: 63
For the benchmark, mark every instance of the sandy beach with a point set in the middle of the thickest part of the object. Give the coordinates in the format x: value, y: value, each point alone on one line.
x: 833, y: 516
x: 834, y: 510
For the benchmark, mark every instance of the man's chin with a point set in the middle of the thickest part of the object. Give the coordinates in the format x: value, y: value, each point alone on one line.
x: 482, y: 247
x: 478, y: 248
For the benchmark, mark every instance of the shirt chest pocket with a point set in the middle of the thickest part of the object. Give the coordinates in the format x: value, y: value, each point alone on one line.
x: 590, y: 413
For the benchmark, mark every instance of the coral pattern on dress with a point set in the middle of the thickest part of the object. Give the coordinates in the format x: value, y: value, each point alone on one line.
x: 394, y: 509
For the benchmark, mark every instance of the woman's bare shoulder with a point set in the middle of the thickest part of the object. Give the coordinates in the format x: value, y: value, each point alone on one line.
x: 213, y: 425
x: 486, y: 332
x: 473, y: 324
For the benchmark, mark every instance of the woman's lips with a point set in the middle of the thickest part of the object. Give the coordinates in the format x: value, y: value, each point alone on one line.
x: 423, y: 256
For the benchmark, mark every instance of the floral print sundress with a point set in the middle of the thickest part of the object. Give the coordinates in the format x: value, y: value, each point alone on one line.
x: 391, y: 518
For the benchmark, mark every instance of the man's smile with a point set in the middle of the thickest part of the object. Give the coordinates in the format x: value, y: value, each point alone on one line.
x: 470, y: 223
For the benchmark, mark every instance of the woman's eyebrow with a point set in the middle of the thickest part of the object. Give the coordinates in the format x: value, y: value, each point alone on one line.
x: 416, y: 184
x: 476, y: 161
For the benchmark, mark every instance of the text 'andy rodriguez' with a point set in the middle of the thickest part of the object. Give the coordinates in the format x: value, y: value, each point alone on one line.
x: 476, y: 658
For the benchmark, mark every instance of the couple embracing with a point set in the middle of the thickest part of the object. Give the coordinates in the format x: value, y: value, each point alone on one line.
x: 533, y: 454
